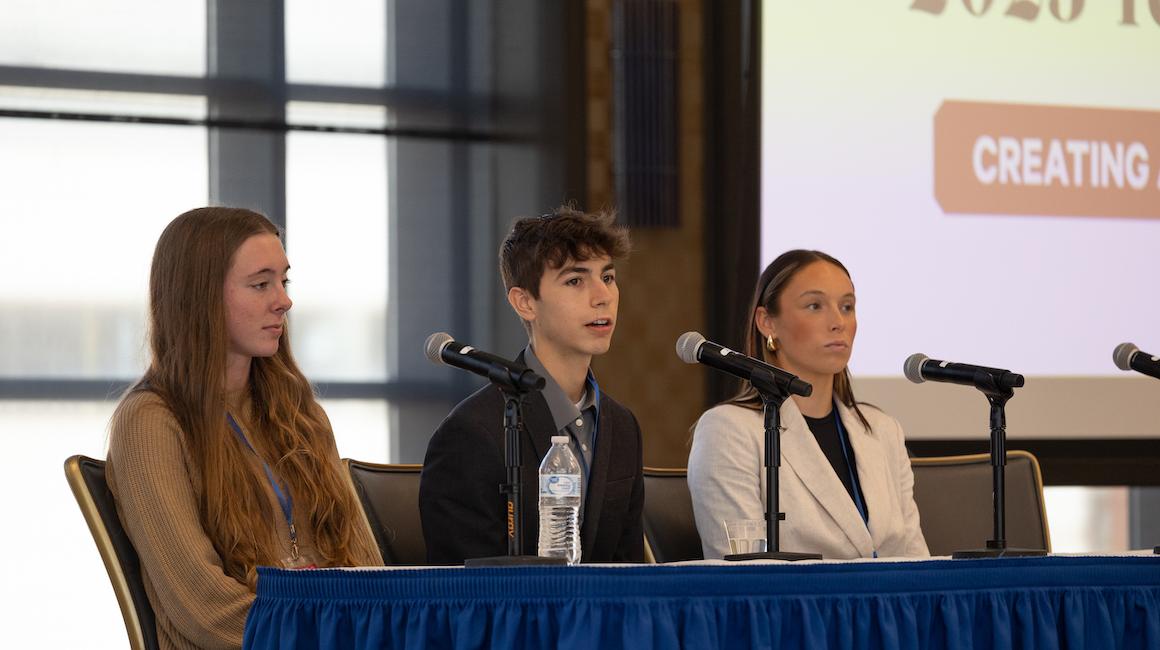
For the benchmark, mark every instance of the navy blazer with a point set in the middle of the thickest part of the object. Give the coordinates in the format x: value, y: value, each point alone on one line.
x: 460, y: 504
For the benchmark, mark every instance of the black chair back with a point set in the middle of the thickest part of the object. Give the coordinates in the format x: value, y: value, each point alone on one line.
x: 670, y: 529
x: 86, y: 477
x: 953, y: 494
x: 390, y: 498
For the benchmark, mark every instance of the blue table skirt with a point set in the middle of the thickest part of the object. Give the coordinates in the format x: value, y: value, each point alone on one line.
x: 1046, y: 602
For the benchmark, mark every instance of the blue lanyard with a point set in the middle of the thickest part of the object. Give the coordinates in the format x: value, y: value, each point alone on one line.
x: 850, y: 468
x: 284, y: 498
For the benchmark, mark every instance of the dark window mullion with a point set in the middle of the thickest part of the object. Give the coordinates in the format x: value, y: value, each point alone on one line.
x: 246, y: 46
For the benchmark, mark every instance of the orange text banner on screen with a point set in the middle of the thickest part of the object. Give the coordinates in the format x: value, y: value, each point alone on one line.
x: 995, y: 158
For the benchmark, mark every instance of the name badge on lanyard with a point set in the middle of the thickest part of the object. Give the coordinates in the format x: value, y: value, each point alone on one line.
x: 844, y: 440
x: 285, y: 501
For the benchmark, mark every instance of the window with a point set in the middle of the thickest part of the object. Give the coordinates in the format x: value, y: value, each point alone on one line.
x: 77, y: 306
x: 113, y: 121
x: 1088, y: 519
x: 336, y: 224
x: 394, y: 159
x: 340, y: 42
x: 56, y: 549
x: 140, y: 36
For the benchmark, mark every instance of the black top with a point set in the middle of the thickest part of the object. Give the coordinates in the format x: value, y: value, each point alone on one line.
x: 825, y: 430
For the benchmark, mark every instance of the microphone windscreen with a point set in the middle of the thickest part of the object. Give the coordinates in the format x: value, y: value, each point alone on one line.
x: 912, y: 368
x: 1122, y: 355
x: 687, y: 346
x: 433, y: 348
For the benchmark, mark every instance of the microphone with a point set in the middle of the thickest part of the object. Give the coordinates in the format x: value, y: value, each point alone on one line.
x: 693, y: 348
x: 1129, y: 357
x: 508, y: 375
x: 919, y: 368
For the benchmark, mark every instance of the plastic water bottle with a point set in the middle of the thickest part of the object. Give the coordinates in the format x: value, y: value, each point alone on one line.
x: 560, y: 494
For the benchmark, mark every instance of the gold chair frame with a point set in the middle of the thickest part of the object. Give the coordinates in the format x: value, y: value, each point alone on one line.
x: 132, y: 609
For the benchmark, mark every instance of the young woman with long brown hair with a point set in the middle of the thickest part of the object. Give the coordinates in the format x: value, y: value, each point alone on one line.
x: 220, y: 458
x: 845, y: 482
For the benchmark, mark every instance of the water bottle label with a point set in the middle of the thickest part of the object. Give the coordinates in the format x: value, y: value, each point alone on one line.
x: 560, y: 485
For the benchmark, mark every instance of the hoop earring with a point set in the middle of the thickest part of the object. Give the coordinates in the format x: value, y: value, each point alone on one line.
x: 770, y: 344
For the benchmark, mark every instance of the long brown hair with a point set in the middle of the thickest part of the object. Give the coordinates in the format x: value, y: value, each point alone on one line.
x: 189, y: 342
x: 767, y: 294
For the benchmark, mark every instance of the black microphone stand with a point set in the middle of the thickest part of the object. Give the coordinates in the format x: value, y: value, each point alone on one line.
x: 997, y: 547
x: 512, y: 489
x: 773, y: 395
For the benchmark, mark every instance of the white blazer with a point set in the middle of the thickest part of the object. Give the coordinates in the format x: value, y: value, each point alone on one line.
x: 727, y: 482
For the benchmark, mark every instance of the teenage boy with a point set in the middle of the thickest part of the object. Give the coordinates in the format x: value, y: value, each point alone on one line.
x: 560, y: 279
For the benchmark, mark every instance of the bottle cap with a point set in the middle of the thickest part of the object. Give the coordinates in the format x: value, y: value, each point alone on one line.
x: 559, y: 440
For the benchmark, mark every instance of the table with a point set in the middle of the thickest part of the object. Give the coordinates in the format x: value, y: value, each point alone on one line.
x: 1041, y: 602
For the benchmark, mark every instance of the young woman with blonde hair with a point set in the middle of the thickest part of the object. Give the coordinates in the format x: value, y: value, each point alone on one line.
x: 220, y: 458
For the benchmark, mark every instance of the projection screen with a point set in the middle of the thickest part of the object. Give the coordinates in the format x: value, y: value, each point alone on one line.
x: 989, y: 171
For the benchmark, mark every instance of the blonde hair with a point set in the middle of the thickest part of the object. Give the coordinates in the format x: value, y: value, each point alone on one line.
x: 189, y: 342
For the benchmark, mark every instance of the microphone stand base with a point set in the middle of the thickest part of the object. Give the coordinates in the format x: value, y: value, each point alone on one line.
x: 514, y: 560
x: 997, y: 552
x: 773, y: 555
